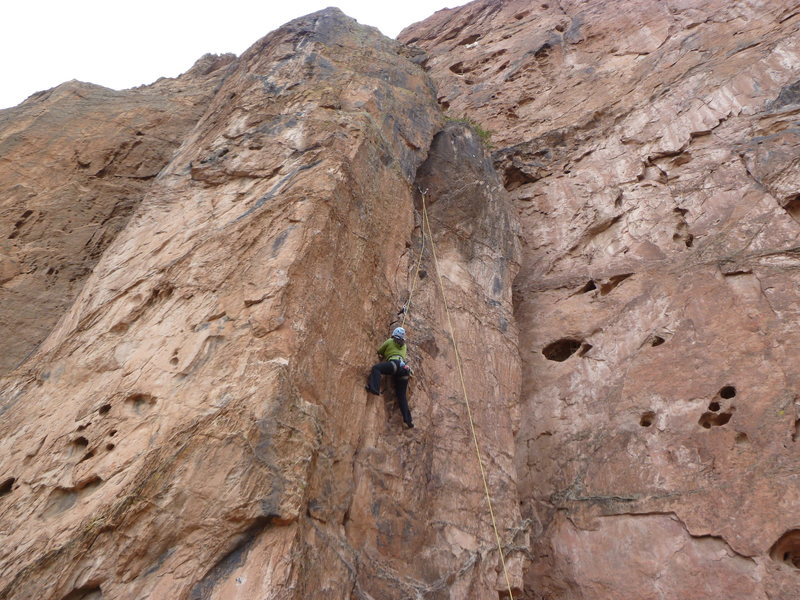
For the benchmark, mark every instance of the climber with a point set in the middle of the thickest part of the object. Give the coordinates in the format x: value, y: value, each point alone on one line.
x: 393, y: 362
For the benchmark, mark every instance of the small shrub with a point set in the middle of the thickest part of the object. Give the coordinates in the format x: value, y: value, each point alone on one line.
x: 484, y: 134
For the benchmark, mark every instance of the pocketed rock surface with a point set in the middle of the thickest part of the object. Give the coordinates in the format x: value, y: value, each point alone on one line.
x: 651, y: 151
x: 196, y: 426
x: 76, y: 162
x: 194, y: 277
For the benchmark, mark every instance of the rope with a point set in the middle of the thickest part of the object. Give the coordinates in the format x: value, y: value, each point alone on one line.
x: 407, y: 305
x: 426, y: 223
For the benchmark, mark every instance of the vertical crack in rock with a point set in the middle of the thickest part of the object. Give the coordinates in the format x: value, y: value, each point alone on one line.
x: 418, y: 512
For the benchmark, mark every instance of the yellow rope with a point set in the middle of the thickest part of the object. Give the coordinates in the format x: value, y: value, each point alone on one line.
x: 426, y: 223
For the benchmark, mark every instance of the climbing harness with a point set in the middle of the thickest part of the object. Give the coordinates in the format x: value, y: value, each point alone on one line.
x: 426, y: 225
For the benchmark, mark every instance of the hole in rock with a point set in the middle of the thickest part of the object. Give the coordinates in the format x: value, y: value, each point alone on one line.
x: 514, y: 177
x: 445, y: 104
x: 173, y: 360
x: 727, y: 392
x: 84, y: 426
x: 792, y: 207
x: 562, y: 349
x: 656, y: 340
x: 648, y: 418
x: 710, y: 419
x: 87, y: 456
x: 110, y: 447
x: 85, y: 593
x: 21, y: 222
x: 103, y: 410
x: 81, y: 442
x: 796, y: 429
x: 741, y: 438
x: 423, y: 273
x: 787, y: 549
x: 713, y: 406
x: 613, y: 282
x: 139, y: 401
x: 590, y: 285
x: 458, y: 68
x: 522, y: 15
x: 61, y: 499
x: 112, y: 433
x: 5, y: 487
x: 585, y: 347
x: 469, y: 39
x: 89, y: 484
x: 542, y: 53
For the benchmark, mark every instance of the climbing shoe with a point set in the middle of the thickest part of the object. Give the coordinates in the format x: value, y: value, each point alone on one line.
x: 371, y: 391
x: 409, y: 424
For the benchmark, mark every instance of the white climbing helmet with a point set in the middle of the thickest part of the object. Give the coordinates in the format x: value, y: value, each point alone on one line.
x: 399, y: 332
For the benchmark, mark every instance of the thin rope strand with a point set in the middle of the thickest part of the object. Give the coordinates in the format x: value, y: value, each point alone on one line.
x: 407, y: 306
x: 426, y: 223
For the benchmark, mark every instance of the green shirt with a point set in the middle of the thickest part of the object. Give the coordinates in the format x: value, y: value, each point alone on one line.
x: 390, y: 349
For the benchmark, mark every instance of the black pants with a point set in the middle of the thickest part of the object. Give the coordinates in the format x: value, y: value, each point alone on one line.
x: 400, y: 376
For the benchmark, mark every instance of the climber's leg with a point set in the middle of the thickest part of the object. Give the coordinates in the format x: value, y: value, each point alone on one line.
x: 400, y: 387
x: 382, y: 368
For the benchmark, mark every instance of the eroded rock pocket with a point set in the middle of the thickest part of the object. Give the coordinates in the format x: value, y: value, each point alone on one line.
x: 787, y: 549
x: 140, y: 402
x: 562, y: 349
x: 62, y: 499
x: 647, y: 418
x: 7, y: 486
x: 711, y: 419
x: 85, y: 593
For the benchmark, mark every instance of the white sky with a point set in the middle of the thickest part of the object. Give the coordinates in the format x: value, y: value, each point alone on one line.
x: 124, y: 44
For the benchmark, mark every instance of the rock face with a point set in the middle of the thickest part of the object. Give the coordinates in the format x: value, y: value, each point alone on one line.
x: 425, y: 492
x: 195, y: 424
x: 195, y: 275
x: 77, y: 160
x: 651, y: 151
